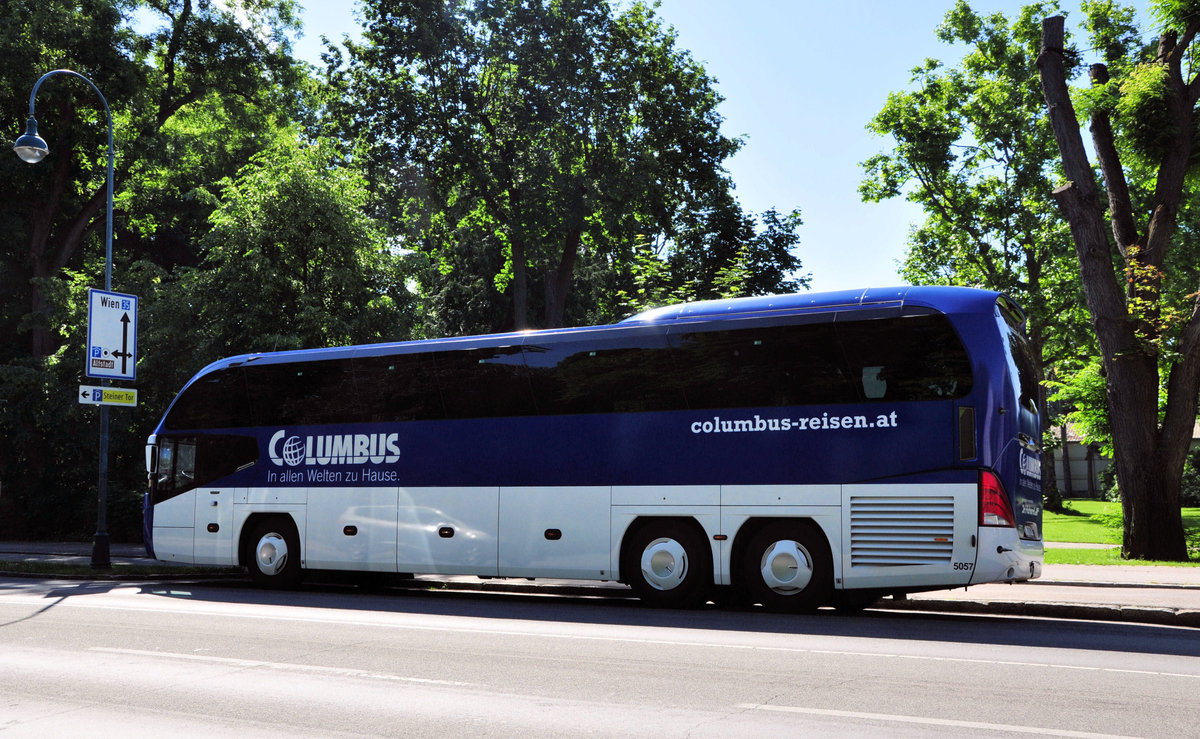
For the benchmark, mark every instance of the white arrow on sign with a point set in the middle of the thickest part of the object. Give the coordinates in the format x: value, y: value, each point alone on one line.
x: 96, y: 395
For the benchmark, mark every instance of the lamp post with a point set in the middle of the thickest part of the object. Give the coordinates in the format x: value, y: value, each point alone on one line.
x: 33, y: 149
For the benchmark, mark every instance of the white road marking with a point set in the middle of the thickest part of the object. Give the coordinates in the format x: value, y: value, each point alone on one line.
x: 256, y: 663
x: 920, y: 720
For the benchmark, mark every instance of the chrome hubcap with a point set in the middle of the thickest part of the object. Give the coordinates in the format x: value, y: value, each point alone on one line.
x: 271, y: 554
x: 786, y: 567
x: 664, y: 564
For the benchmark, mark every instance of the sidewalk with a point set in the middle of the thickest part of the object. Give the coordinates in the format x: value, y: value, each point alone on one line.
x: 1143, y: 594
x: 1156, y: 595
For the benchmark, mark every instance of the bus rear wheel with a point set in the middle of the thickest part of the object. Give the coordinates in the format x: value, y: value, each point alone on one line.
x: 274, y: 554
x: 668, y: 564
x: 787, y: 567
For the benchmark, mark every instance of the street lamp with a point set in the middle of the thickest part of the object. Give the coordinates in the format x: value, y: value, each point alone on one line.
x: 33, y: 149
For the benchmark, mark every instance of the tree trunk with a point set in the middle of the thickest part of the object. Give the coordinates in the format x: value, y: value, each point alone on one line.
x: 1149, y: 461
x: 558, y: 281
x: 520, y: 286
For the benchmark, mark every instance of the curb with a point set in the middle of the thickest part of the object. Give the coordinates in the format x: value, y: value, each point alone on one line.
x: 1073, y: 611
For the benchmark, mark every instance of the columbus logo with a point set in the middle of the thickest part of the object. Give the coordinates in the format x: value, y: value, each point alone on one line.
x: 333, y: 449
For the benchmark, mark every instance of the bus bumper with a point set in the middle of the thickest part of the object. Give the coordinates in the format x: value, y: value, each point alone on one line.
x: 1005, y: 557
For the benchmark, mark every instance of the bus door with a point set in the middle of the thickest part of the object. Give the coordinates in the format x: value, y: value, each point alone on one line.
x: 214, y: 526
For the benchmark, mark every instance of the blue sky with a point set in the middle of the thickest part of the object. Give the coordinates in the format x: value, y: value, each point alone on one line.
x: 801, y: 79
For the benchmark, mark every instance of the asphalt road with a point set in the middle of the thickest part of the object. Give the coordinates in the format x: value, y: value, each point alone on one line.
x: 115, y: 659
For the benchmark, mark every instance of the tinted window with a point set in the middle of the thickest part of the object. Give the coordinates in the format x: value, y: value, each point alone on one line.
x: 302, y: 393
x: 217, y: 400
x: 768, y: 366
x: 908, y: 358
x: 483, y: 383
x: 397, y: 388
x: 188, y: 462
x: 623, y: 372
x: 1021, y: 355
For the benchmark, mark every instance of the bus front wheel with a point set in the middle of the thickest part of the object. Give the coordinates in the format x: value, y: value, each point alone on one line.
x: 667, y: 563
x: 274, y: 554
x: 787, y: 567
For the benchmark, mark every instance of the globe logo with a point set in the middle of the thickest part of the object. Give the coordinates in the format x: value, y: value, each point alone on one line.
x: 293, y: 451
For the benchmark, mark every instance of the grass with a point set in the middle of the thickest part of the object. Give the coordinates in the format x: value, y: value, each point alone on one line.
x: 1068, y: 556
x: 1084, y: 522
x: 1099, y: 522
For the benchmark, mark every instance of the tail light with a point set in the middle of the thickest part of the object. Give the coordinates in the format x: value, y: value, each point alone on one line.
x: 994, y: 508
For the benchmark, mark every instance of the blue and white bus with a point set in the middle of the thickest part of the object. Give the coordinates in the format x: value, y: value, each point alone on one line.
x: 793, y: 450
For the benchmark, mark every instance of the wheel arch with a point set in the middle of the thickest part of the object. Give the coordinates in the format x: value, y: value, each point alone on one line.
x: 752, y: 526
x: 245, y: 546
x: 638, y: 524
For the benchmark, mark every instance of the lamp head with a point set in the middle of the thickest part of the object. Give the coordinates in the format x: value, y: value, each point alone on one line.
x: 31, y: 147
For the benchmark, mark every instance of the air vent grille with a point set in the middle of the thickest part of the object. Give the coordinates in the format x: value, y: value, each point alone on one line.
x: 901, y: 531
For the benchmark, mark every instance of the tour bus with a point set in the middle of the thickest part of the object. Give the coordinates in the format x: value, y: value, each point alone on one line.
x: 792, y: 451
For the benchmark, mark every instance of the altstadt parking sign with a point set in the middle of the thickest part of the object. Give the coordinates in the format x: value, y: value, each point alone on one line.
x: 112, y: 335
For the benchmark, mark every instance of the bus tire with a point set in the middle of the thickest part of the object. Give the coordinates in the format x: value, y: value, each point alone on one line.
x: 274, y: 554
x: 787, y: 567
x: 668, y: 564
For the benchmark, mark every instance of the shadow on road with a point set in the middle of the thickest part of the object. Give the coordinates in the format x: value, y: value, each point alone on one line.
x: 57, y: 594
x: 1001, y: 631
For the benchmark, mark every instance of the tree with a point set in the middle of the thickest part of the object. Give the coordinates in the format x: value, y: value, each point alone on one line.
x: 528, y: 139
x: 293, y: 250
x: 1142, y: 115
x: 203, y: 52
x: 975, y: 151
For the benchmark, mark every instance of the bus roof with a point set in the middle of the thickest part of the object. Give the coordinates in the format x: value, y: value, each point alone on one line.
x: 945, y: 299
x: 942, y: 299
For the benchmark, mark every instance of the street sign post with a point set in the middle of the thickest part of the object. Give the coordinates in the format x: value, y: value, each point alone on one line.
x: 112, y: 335
x: 95, y: 395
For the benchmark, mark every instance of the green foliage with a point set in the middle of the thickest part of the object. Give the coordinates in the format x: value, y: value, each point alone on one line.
x: 187, y: 96
x: 1189, y: 494
x: 519, y: 146
x: 293, y: 249
x: 1084, y: 391
x: 971, y: 145
x: 1142, y: 112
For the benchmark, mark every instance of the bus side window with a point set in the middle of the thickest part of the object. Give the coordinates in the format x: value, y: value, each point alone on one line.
x: 769, y: 366
x: 628, y: 372
x: 185, y: 466
x: 166, y: 462
x: 401, y: 387
x: 912, y: 358
x: 217, y: 400
x: 302, y: 393
x: 180, y: 468
x: 176, y: 468
x: 483, y: 383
